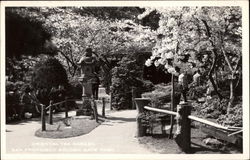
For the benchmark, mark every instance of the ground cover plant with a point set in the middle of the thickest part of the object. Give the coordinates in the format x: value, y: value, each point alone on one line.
x: 67, y: 128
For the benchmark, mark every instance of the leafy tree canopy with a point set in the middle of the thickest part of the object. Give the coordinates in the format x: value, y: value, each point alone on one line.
x: 74, y: 29
x: 26, y: 36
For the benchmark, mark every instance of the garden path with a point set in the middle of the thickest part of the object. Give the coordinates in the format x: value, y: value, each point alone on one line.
x: 115, y: 135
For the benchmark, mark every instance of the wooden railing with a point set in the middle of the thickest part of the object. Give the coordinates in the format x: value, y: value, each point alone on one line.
x: 194, y: 118
x: 183, y: 121
x: 50, y: 108
x: 51, y: 105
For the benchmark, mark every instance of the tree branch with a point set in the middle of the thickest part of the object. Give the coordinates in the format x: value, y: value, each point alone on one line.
x: 237, y: 81
x: 68, y: 59
x: 238, y: 63
x: 207, y: 28
x: 210, y: 74
x: 227, y: 59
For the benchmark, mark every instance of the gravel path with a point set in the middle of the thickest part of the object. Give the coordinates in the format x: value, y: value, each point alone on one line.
x: 115, y: 135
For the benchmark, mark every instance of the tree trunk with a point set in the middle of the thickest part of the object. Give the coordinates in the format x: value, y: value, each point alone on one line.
x: 210, y: 74
x: 214, y: 60
x: 231, y: 98
x: 172, y: 107
x: 232, y: 84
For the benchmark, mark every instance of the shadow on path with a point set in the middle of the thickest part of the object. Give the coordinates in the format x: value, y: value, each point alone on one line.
x: 23, y: 121
x: 121, y: 119
x: 56, y: 117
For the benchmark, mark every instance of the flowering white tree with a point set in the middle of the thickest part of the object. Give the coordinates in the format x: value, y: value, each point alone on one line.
x: 196, y: 37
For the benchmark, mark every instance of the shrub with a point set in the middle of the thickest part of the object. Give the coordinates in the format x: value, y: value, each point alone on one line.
x: 49, y: 73
x: 213, y: 108
x: 216, y: 109
x: 14, y: 86
x: 126, y: 75
x: 234, y: 118
x: 161, y: 95
x: 12, y: 105
x: 75, y: 88
x: 196, y: 92
x: 13, y: 94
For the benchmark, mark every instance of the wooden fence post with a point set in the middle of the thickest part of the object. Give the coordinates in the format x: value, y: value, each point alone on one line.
x: 50, y: 112
x: 183, y: 131
x: 95, y: 110
x: 66, y: 107
x: 140, y: 103
x: 103, y: 107
x: 111, y: 101
x: 133, y: 98
x: 43, y: 118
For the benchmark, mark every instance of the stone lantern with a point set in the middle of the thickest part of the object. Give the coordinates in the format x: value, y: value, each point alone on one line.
x: 87, y: 63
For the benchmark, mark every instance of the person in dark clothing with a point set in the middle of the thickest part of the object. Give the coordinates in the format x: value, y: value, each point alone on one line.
x: 61, y: 93
x: 95, y: 86
x: 61, y: 96
x: 43, y: 96
x: 26, y: 103
x: 53, y: 94
x: 196, y: 78
x: 53, y: 97
x: 11, y: 105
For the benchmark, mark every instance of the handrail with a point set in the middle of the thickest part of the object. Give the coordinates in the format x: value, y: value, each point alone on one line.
x: 194, y: 118
x: 237, y: 132
x: 210, y: 123
x: 54, y: 104
x: 160, y: 110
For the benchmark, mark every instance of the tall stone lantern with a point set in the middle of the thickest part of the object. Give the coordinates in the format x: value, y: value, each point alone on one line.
x: 87, y: 63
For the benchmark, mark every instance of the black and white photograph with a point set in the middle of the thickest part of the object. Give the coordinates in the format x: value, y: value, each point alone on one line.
x: 117, y: 81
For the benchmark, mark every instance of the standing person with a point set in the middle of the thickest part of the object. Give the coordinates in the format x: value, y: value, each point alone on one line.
x: 95, y: 86
x: 210, y: 89
x: 35, y: 102
x: 26, y: 103
x: 183, y: 82
x: 43, y: 96
x: 61, y: 95
x: 11, y: 111
x: 196, y: 78
x: 53, y: 96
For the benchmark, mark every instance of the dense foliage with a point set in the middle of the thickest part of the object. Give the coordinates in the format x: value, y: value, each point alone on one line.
x: 125, y: 76
x: 49, y: 73
x: 20, y: 39
x: 196, y: 92
x: 161, y: 96
x: 234, y: 118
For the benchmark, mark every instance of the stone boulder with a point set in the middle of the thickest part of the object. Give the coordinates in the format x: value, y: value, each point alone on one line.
x: 213, y: 142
